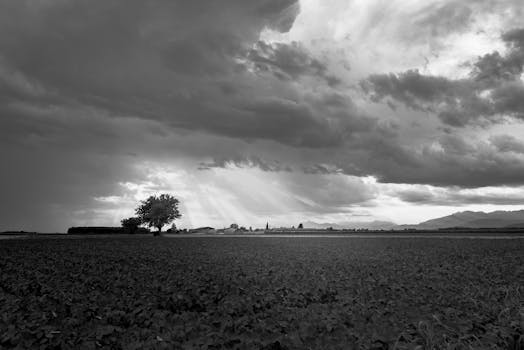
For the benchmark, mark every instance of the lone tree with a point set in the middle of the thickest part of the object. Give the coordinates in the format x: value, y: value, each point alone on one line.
x: 131, y: 224
x: 158, y: 211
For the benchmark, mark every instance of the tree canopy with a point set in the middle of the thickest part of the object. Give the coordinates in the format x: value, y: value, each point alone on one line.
x: 131, y: 224
x: 157, y: 211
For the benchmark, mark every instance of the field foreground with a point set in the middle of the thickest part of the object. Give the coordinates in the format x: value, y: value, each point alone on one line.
x: 262, y: 293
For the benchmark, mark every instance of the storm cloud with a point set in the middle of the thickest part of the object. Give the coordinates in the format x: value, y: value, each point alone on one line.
x: 492, y: 90
x: 99, y: 99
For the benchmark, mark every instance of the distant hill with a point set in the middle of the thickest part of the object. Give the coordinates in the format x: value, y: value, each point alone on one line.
x: 470, y: 219
x: 474, y: 219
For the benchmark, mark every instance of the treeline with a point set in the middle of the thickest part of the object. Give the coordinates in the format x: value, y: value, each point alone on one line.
x: 94, y: 230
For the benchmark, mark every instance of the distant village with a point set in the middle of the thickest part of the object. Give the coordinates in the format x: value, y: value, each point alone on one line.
x: 236, y: 229
x: 232, y: 229
x: 207, y: 230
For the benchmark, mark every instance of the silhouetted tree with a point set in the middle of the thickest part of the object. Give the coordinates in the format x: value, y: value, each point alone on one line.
x: 131, y: 224
x: 234, y: 226
x: 300, y: 226
x: 267, y: 225
x: 158, y: 211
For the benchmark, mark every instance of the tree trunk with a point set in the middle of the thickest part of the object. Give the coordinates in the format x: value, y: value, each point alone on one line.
x: 157, y: 233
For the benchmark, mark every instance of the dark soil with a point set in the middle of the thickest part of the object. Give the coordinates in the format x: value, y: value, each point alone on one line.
x: 261, y: 293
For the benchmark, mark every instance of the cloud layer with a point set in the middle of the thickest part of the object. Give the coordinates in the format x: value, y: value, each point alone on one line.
x: 96, y: 95
x: 493, y: 89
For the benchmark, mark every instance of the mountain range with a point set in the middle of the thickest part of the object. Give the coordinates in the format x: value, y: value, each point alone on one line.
x: 470, y: 219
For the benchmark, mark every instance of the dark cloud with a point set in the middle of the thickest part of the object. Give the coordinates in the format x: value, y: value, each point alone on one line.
x: 414, y: 196
x: 455, y: 160
x: 415, y: 90
x: 450, y: 160
x: 492, y: 69
x: 456, y: 102
x: 162, y: 60
x: 245, y: 162
x: 507, y: 143
x: 515, y: 37
x: 184, y: 64
x: 287, y: 62
x: 508, y: 99
x: 493, y: 89
x: 321, y: 169
x: 457, y: 197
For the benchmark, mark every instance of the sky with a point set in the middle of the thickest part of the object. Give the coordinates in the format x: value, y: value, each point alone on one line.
x: 255, y: 111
